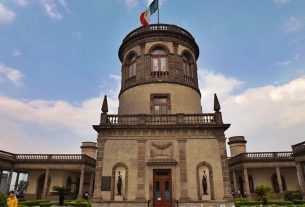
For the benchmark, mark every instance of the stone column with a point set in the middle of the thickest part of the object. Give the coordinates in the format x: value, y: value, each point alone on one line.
x: 97, y: 194
x: 17, y: 181
x: 247, y: 189
x: 9, y: 180
x: 81, y: 182
x: 300, y: 178
x: 279, y: 179
x: 225, y: 166
x: 235, y: 182
x: 45, y: 185
x: 91, y: 184
x: 183, y: 170
x: 141, y: 170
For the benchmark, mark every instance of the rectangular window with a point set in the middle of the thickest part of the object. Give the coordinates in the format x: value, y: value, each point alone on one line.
x: 160, y: 103
x: 163, y: 64
x: 155, y: 64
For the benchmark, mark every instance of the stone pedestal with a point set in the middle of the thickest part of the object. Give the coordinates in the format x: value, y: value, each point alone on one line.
x: 118, y: 198
x: 206, y: 197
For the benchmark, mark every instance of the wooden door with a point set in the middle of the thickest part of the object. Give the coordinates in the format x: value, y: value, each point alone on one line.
x: 162, y: 188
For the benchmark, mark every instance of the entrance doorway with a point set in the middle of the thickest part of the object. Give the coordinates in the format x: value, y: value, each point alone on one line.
x: 162, y: 187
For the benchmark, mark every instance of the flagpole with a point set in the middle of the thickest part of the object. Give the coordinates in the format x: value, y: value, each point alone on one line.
x: 158, y: 12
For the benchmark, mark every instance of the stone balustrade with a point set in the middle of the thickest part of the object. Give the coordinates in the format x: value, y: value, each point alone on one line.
x: 261, y: 157
x: 58, y: 158
x: 168, y: 119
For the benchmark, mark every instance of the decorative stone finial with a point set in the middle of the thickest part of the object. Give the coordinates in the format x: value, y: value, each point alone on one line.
x: 105, y: 105
x: 216, y: 103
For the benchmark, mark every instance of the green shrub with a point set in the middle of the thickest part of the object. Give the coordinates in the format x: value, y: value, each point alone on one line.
x: 47, y: 204
x: 280, y: 203
x: 292, y: 195
x: 298, y: 201
x: 33, y: 203
x: 242, y: 199
x: 247, y: 203
x: 21, y: 205
x: 263, y: 193
x: 3, y: 198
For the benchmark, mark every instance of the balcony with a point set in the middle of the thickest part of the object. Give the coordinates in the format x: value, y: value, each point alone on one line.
x: 163, y: 120
x: 49, y: 158
x: 261, y: 157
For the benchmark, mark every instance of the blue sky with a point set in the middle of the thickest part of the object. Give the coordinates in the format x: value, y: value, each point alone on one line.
x: 59, y: 57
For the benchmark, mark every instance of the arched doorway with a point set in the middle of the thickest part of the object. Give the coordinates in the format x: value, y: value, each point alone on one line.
x: 251, y: 184
x: 241, y: 185
x: 40, y: 185
x: 275, y: 184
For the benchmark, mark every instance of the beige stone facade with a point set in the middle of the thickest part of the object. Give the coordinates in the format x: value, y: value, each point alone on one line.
x: 160, y: 150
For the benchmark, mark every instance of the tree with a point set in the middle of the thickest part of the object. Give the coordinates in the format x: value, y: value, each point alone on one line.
x: 3, y: 199
x: 61, y: 192
x: 264, y: 192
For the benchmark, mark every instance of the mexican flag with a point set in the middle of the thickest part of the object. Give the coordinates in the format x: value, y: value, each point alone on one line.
x: 145, y: 16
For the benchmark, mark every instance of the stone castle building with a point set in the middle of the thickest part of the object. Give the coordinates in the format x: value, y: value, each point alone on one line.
x: 160, y: 150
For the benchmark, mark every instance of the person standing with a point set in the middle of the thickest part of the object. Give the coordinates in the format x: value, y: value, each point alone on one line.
x: 12, y: 200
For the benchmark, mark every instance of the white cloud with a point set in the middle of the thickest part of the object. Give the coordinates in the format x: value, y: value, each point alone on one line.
x: 6, y: 15
x: 21, y: 2
x: 51, y: 9
x: 131, y: 3
x: 270, y: 117
x: 284, y: 62
x: 294, y: 24
x: 11, y: 74
x: 211, y: 82
x: 52, y: 116
x: 17, y: 52
x: 64, y: 4
x: 281, y: 1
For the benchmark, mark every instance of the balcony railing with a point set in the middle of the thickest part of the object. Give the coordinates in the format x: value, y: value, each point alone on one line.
x: 298, y: 148
x: 261, y: 157
x: 58, y: 158
x: 168, y: 119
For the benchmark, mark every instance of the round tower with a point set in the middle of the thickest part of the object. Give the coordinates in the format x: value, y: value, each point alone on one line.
x: 237, y: 145
x: 159, y: 71
x: 89, y: 149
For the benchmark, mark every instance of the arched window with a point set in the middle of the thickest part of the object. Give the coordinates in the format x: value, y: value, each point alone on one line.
x: 69, y: 182
x: 188, y: 65
x: 159, y: 59
x: 131, y: 66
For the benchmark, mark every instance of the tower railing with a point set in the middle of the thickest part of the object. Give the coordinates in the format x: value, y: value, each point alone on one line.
x: 162, y: 119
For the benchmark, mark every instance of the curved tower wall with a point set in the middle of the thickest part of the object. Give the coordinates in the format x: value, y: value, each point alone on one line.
x: 178, y: 80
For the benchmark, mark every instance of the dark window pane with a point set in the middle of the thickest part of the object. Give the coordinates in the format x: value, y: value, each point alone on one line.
x: 157, y: 192
x: 167, y: 191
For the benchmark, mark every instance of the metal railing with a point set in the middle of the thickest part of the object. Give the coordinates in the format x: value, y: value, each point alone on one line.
x: 261, y: 156
x: 158, y: 27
